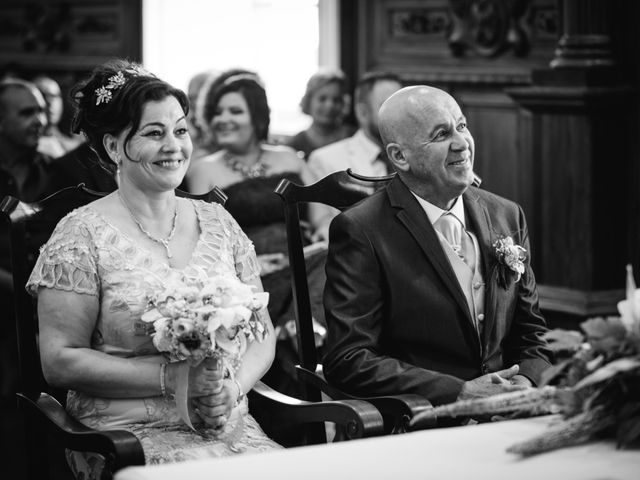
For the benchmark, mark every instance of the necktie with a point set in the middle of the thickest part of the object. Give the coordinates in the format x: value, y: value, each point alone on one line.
x: 457, y: 237
x: 382, y: 157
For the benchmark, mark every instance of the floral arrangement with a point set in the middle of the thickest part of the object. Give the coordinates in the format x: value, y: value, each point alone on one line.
x: 594, y: 385
x: 510, y: 256
x: 199, y: 317
x: 600, y: 370
x: 205, y: 317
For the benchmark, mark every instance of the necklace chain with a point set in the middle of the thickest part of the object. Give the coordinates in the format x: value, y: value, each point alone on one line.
x: 162, y: 241
x: 256, y: 170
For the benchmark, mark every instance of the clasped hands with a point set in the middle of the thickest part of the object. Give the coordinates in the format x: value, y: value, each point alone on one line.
x: 502, y: 381
x: 212, y: 396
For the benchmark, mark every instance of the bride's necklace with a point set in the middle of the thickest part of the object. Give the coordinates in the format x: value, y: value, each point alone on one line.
x: 256, y: 170
x: 162, y: 241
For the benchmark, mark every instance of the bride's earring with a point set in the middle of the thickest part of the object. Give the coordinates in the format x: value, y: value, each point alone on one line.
x: 118, y: 161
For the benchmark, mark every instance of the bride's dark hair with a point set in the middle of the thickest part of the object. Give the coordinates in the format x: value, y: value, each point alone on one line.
x: 112, y: 98
x: 250, y: 86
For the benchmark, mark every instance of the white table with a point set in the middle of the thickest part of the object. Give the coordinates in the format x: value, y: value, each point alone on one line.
x: 470, y: 453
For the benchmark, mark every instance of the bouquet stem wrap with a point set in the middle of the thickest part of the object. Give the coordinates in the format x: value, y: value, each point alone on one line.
x: 182, y: 393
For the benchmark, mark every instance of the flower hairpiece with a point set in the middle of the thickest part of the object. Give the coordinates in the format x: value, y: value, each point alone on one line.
x: 510, y: 255
x: 104, y: 94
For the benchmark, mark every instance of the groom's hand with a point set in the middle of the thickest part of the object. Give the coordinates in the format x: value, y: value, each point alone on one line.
x: 521, y: 380
x: 492, y: 384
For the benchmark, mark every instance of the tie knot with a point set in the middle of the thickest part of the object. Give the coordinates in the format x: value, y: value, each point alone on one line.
x: 451, y: 228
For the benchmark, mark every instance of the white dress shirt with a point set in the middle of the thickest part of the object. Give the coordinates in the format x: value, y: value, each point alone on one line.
x: 359, y: 153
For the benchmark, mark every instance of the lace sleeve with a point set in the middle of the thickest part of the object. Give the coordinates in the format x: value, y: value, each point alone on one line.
x: 68, y: 260
x: 244, y: 253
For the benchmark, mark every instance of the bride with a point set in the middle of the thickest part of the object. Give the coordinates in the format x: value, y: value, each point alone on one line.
x: 93, y: 276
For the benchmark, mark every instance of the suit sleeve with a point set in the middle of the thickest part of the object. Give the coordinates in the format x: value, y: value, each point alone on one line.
x: 353, y: 298
x: 524, y: 343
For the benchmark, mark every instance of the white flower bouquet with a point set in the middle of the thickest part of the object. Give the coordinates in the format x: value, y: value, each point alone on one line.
x: 199, y: 317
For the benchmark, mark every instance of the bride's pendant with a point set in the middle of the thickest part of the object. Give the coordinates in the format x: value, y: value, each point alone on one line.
x: 162, y: 241
x: 165, y: 244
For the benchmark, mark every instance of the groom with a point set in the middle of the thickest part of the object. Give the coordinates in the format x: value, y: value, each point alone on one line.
x: 429, y: 288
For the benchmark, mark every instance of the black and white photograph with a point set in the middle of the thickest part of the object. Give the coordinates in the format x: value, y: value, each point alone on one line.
x: 320, y: 239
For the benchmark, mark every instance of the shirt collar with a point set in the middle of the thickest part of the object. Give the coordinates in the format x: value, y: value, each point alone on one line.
x: 370, y: 149
x: 434, y: 213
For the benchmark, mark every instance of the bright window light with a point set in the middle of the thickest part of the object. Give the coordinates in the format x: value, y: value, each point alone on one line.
x: 279, y: 39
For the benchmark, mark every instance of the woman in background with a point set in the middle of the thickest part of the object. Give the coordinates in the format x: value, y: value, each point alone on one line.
x: 248, y: 169
x: 326, y: 100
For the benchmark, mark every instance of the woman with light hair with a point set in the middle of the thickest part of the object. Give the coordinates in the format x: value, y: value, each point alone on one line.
x: 326, y: 101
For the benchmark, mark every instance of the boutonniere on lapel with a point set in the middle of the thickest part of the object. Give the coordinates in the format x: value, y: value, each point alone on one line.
x: 510, y: 257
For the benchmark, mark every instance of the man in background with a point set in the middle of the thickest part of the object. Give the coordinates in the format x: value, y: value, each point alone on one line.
x: 54, y: 142
x: 24, y: 173
x: 23, y: 170
x: 363, y: 152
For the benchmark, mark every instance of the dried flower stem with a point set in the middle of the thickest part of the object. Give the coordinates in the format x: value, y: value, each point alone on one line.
x: 535, y: 401
x: 576, y: 430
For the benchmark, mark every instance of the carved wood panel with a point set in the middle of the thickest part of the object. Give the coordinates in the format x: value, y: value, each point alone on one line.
x: 68, y: 35
x: 494, y: 41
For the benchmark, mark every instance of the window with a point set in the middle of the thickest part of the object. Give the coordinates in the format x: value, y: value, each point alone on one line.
x: 279, y: 39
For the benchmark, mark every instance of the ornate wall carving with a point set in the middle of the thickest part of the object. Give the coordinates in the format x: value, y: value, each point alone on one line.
x: 74, y: 34
x: 446, y: 40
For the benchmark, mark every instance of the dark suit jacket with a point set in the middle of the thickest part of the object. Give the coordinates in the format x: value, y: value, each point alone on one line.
x: 397, y: 318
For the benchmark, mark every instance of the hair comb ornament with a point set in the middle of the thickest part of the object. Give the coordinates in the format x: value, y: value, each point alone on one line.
x: 105, y: 92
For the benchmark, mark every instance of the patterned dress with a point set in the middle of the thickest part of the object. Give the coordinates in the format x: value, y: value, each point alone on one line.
x: 88, y: 255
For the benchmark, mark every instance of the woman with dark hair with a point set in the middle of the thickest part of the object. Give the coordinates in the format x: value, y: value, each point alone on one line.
x: 94, y: 276
x: 326, y: 101
x: 246, y: 167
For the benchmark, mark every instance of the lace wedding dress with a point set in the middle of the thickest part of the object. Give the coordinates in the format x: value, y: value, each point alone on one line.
x: 88, y: 255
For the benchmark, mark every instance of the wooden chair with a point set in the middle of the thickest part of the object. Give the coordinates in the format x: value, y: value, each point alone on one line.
x: 340, y: 190
x: 30, y: 225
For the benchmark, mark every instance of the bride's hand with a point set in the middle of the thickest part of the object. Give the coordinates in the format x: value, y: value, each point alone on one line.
x: 204, y: 379
x: 215, y: 409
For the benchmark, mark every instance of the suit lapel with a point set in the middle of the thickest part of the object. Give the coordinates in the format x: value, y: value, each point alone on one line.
x: 479, y: 222
x: 417, y: 223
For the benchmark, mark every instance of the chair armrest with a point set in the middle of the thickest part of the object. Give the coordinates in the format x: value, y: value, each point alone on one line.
x: 356, y: 418
x: 397, y: 410
x: 120, y: 447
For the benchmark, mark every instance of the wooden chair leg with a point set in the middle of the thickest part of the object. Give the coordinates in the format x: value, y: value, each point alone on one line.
x: 36, y: 443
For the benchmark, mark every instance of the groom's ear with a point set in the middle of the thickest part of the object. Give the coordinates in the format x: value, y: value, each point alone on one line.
x: 396, y: 155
